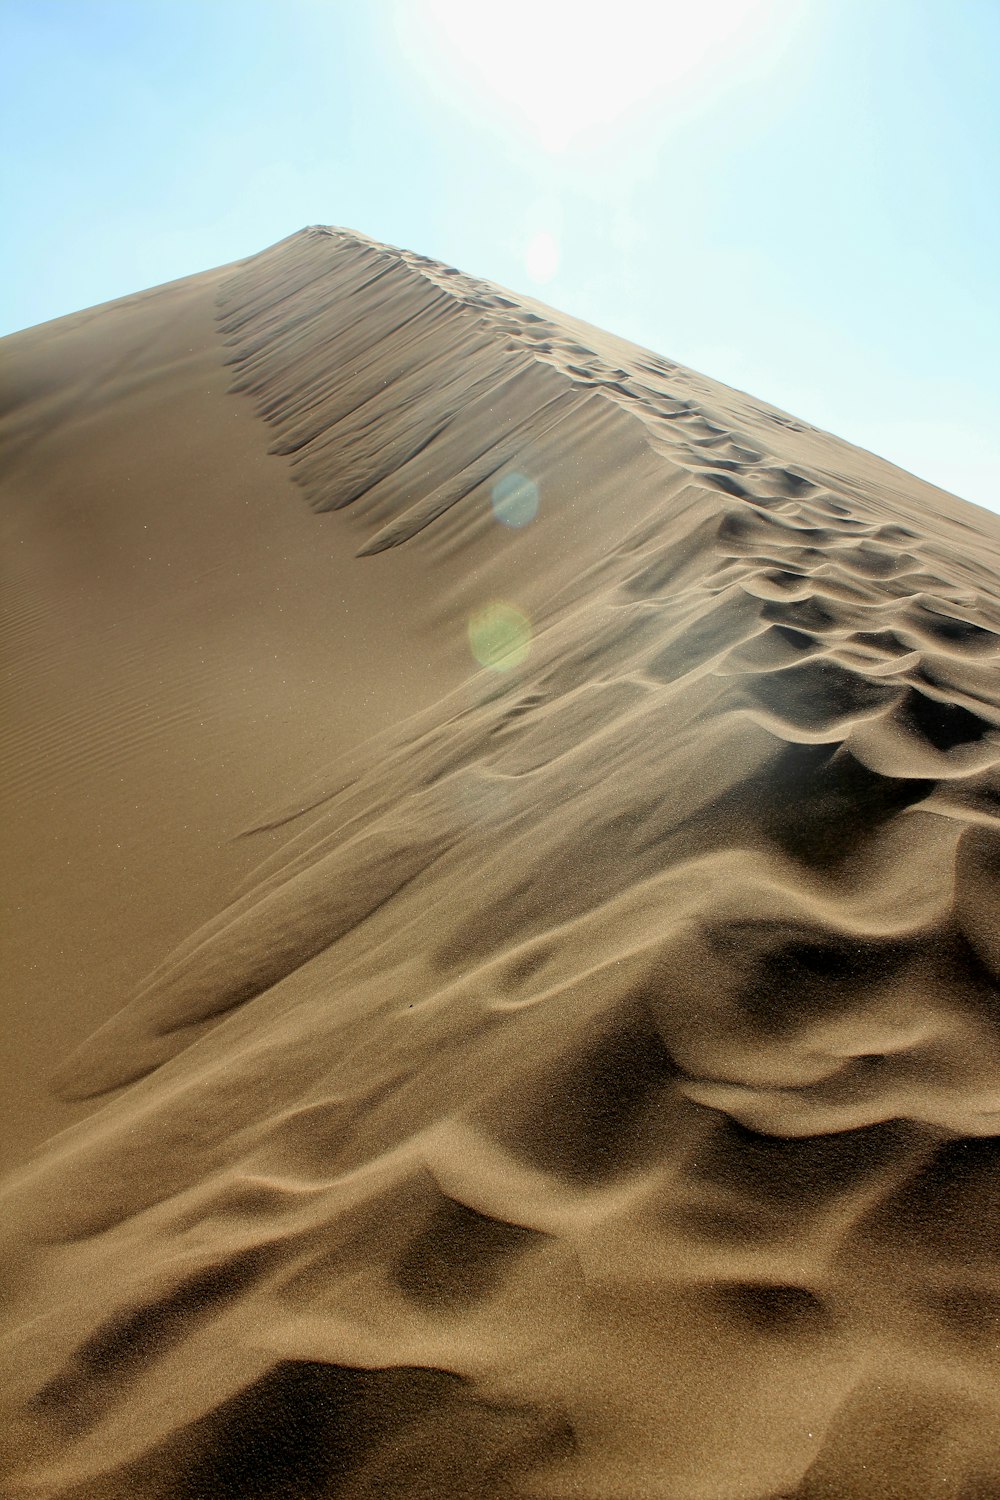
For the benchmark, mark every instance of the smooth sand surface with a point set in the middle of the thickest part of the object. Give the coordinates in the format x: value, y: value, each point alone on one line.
x: 501, y: 923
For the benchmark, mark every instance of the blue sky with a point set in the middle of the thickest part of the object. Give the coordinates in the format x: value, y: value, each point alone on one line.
x: 799, y: 197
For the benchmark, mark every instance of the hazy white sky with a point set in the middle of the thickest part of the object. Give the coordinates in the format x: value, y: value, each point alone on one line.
x: 798, y: 197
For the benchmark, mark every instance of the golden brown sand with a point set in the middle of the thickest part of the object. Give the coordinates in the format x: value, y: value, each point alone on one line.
x: 501, y: 983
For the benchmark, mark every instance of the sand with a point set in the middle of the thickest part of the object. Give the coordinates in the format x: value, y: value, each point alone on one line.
x: 501, y: 933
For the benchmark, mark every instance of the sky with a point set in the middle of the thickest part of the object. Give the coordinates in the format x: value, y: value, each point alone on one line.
x: 797, y: 197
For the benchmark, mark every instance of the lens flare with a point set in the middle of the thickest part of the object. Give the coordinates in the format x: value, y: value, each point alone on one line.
x: 500, y: 636
x: 541, y: 256
x: 515, y: 499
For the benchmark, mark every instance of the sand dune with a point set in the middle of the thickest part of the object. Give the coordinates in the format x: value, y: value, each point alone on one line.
x: 502, y: 978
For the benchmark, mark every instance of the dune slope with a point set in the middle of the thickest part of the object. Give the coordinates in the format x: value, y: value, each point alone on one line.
x: 566, y: 1057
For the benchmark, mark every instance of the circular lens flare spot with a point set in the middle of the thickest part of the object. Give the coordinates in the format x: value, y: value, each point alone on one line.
x: 541, y: 256
x: 515, y: 499
x: 499, y: 636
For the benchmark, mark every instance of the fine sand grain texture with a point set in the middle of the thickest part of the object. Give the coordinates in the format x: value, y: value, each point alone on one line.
x: 501, y: 931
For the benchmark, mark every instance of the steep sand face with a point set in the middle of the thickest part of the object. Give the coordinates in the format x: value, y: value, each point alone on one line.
x: 589, y: 1084
x: 182, y: 644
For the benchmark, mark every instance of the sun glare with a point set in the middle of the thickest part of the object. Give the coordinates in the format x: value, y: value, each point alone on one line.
x: 562, y: 76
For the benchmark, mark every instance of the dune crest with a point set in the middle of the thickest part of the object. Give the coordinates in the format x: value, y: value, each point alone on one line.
x: 594, y: 1089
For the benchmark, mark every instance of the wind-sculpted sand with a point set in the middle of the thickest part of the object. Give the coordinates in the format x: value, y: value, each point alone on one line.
x: 588, y: 1084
